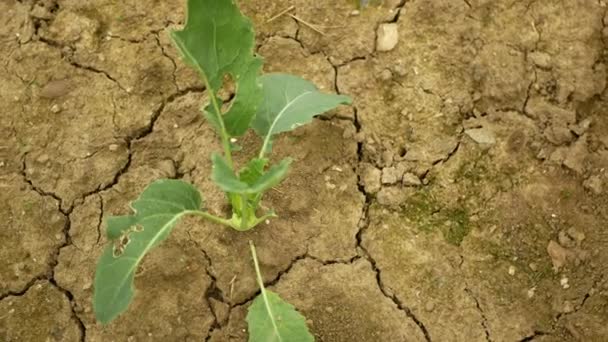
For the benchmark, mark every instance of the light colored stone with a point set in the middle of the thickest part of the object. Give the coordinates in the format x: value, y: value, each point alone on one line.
x: 594, y: 184
x: 541, y: 59
x: 388, y: 37
x: 393, y: 196
x: 482, y: 135
x: 391, y: 175
x: 370, y: 178
x: 559, y: 255
x: 576, y: 155
x: 410, y: 179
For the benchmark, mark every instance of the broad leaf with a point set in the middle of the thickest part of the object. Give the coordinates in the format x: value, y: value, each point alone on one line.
x: 252, y: 180
x: 253, y: 170
x: 224, y: 177
x: 289, y: 102
x: 218, y: 41
x: 270, y: 318
x: 272, y: 177
x: 157, y: 210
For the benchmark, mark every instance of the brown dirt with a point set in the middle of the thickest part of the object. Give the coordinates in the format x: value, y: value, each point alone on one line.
x: 463, y: 196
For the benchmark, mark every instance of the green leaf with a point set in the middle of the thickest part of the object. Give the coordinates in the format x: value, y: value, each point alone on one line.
x: 253, y: 170
x: 157, y: 210
x: 272, y: 177
x: 289, y: 102
x: 218, y: 41
x: 224, y: 177
x: 253, y: 179
x: 270, y: 318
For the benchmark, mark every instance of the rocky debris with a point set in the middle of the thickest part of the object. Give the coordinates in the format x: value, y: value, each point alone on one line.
x: 385, y: 75
x: 410, y: 179
x: 557, y: 118
x: 393, y: 195
x: 576, y: 234
x: 432, y: 152
x: 483, y: 136
x: 39, y: 11
x: 55, y: 109
x: 581, y: 127
x: 392, y: 175
x: 370, y: 178
x: 55, y: 89
x: 594, y: 184
x: 558, y: 134
x: 558, y: 254
x: 541, y: 59
x: 564, y: 282
x: 565, y: 240
x: 387, y: 37
x: 576, y: 154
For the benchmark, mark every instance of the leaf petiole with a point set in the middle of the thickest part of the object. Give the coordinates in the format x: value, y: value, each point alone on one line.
x: 209, y: 217
x: 263, y: 290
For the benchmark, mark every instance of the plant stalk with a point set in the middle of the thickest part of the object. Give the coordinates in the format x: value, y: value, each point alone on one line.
x: 210, y: 217
x: 223, y: 133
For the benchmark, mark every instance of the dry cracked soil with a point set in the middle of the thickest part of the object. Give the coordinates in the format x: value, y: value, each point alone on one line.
x: 462, y: 197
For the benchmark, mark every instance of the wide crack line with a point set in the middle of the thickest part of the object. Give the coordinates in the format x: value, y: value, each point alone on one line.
x: 484, y: 320
x: 212, y: 291
x: 50, y: 274
x: 363, y: 226
x: 364, y: 220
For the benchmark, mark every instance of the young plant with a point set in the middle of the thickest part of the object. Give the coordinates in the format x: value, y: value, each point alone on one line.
x: 270, y: 318
x: 218, y: 41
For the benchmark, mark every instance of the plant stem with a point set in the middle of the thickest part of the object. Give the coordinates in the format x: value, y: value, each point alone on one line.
x: 223, y: 132
x: 216, y: 107
x: 264, y: 146
x: 209, y: 217
x: 262, y: 289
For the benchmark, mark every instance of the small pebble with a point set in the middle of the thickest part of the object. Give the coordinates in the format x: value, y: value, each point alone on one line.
x: 386, y: 75
x: 387, y: 37
x: 43, y: 158
x: 113, y: 147
x: 355, y: 13
x: 531, y: 292
x: 511, y: 270
x: 429, y: 306
x: 564, y: 283
x: 55, y: 109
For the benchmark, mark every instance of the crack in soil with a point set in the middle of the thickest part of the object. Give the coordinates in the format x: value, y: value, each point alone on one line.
x: 363, y: 226
x: 162, y: 49
x: 400, y: 305
x: 75, y: 317
x: 100, y: 220
x: 66, y: 212
x: 398, y: 10
x: 212, y: 291
x: 50, y: 273
x: 484, y: 320
x: 534, y: 336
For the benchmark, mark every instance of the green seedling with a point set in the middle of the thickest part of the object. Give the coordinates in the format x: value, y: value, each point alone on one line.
x: 270, y: 318
x: 218, y: 41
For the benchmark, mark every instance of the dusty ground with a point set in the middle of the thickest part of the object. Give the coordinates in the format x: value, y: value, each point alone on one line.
x: 463, y: 196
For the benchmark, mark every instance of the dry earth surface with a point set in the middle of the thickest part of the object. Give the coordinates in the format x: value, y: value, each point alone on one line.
x: 462, y: 197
